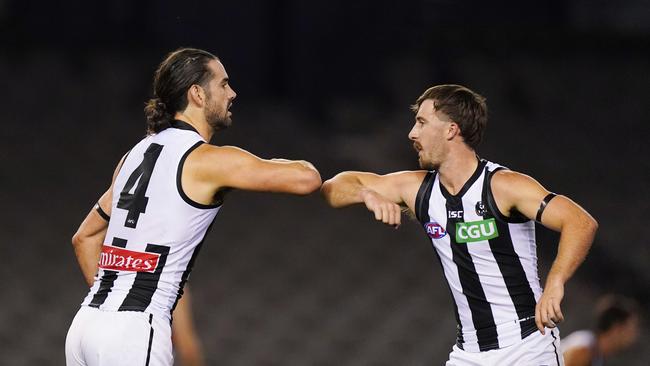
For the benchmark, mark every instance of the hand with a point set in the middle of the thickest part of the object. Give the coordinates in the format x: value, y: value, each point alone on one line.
x: 547, y: 312
x: 385, y: 210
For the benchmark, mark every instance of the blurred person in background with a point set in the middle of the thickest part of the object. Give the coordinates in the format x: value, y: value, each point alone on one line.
x: 616, y: 329
x: 480, y: 218
x: 185, y: 340
x: 137, y: 246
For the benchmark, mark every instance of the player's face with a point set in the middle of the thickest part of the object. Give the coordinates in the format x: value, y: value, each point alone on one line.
x: 219, y: 97
x: 429, y: 136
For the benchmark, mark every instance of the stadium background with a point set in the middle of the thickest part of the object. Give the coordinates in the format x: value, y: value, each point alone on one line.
x: 284, y: 280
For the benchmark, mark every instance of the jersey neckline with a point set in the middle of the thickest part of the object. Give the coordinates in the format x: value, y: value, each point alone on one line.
x: 477, y: 173
x: 182, y: 125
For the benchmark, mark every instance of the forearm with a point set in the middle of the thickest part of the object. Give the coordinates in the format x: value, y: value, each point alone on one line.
x: 87, y: 252
x: 575, y: 241
x: 343, y: 190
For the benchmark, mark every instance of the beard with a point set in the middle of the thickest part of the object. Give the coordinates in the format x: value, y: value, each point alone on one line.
x: 216, y: 118
x: 427, y: 164
x: 218, y: 121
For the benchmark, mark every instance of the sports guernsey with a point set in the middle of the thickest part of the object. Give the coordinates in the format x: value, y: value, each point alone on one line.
x: 155, y: 230
x: 489, y: 260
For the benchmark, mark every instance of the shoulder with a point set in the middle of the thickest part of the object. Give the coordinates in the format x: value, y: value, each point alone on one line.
x: 410, y: 176
x: 209, y: 154
x: 508, y: 182
x: 506, y: 176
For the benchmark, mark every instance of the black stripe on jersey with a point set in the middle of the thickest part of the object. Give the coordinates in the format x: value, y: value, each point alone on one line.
x: 150, y: 340
x: 513, y: 273
x: 422, y: 213
x: 422, y: 198
x: 179, y: 186
x: 190, y: 266
x: 557, y: 358
x: 107, y: 280
x: 145, y: 284
x: 482, y: 316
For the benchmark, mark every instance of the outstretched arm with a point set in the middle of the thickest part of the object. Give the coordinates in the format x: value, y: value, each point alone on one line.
x: 210, y: 169
x: 382, y: 194
x: 515, y: 191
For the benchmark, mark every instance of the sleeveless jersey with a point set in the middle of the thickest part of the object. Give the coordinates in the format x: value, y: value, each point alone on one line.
x: 155, y: 231
x: 489, y: 260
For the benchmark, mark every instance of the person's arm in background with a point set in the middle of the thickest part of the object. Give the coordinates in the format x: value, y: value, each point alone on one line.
x: 184, y: 337
x: 577, y: 357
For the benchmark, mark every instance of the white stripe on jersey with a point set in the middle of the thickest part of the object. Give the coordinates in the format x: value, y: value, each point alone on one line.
x: 516, y: 255
x: 170, y: 222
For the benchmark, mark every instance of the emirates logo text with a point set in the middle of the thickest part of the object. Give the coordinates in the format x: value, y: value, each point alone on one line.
x: 118, y: 259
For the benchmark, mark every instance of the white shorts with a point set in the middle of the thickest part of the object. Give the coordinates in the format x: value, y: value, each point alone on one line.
x: 118, y: 338
x: 534, y: 350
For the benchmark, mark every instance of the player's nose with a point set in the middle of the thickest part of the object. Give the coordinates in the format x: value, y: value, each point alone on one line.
x: 412, y: 134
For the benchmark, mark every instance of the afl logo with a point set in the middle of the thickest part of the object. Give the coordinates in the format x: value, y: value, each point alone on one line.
x: 434, y: 230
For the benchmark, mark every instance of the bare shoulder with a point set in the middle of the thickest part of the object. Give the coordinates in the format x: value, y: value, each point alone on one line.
x: 408, y: 183
x: 506, y: 176
x: 211, y: 158
x: 408, y: 177
x: 508, y: 182
x: 211, y: 152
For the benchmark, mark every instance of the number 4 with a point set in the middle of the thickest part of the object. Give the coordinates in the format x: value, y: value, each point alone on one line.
x: 136, y: 203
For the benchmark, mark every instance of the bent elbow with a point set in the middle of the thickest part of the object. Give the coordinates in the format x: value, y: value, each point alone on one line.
x: 309, y: 183
x: 76, y: 240
x: 326, y: 191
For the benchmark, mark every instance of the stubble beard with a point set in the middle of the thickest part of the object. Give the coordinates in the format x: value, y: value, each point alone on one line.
x: 427, y: 164
x: 217, y: 121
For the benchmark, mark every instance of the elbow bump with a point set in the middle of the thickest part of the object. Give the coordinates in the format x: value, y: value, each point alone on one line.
x: 310, y: 183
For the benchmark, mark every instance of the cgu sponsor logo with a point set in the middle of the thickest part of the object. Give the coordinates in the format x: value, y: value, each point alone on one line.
x: 434, y: 230
x: 472, y: 231
x: 119, y: 259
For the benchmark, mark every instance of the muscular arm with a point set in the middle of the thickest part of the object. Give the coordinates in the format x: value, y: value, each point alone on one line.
x: 382, y: 194
x: 515, y: 191
x: 210, y: 169
x: 87, y: 241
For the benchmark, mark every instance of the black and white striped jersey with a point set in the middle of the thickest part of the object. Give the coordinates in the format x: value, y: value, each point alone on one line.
x: 489, y: 260
x: 155, y: 231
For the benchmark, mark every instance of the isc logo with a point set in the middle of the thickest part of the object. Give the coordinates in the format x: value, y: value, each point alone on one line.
x: 455, y: 214
x: 434, y: 230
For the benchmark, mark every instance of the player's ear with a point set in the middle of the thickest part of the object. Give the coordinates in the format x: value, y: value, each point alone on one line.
x: 196, y: 95
x: 453, y: 130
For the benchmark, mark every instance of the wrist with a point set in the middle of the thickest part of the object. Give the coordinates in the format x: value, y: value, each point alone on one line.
x: 365, y: 193
x: 555, y: 281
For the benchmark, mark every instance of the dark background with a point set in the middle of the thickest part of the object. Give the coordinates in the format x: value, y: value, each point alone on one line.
x: 285, y: 280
